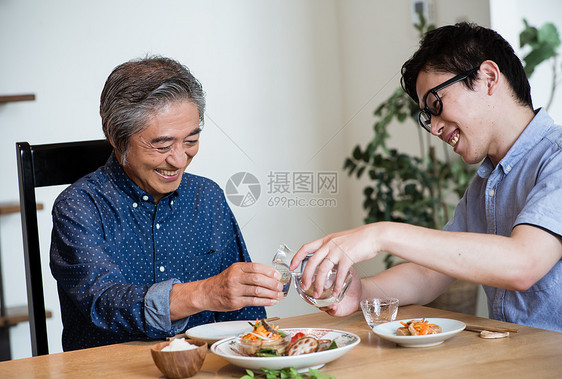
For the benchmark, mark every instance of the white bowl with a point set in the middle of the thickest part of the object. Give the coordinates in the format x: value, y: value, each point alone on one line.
x: 449, y: 328
x: 228, y: 349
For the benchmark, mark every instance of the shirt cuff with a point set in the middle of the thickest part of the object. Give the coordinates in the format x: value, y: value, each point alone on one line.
x: 157, y: 308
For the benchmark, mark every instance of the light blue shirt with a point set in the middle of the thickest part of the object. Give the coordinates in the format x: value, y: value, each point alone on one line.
x: 524, y: 188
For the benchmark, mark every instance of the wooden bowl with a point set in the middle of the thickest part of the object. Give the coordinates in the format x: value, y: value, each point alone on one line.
x: 180, y: 363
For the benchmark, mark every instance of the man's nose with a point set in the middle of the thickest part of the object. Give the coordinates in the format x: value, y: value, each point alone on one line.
x: 178, y: 157
x: 436, y: 125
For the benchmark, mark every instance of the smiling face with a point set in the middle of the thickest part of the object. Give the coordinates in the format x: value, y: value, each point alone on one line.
x: 158, y: 156
x: 462, y: 123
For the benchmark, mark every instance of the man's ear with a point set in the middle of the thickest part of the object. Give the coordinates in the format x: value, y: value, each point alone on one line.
x: 111, y: 142
x: 490, y: 75
x: 117, y: 153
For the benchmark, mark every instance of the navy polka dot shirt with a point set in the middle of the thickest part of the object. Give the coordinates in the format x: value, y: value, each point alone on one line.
x: 116, y: 254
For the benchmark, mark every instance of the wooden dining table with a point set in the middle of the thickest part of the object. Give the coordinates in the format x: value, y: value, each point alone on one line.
x: 529, y: 353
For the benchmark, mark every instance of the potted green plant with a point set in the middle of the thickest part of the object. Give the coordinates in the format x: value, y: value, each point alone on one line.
x: 543, y: 44
x: 420, y: 190
x: 423, y: 190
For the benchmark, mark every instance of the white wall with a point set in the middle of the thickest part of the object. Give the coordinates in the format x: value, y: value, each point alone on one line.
x: 271, y: 73
x: 291, y: 86
x: 507, y: 18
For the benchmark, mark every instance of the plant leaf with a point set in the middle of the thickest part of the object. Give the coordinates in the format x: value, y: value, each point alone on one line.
x: 538, y: 55
x: 529, y: 35
x: 548, y: 34
x: 357, y: 153
x: 360, y: 171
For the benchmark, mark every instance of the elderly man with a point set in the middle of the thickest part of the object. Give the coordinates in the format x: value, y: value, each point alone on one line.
x: 140, y: 249
x: 507, y: 229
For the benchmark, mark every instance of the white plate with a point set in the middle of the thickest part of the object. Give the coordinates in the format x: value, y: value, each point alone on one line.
x: 217, y: 331
x: 448, y: 329
x: 346, y: 341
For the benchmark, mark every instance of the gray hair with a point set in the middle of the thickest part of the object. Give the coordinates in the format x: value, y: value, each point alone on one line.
x: 136, y: 90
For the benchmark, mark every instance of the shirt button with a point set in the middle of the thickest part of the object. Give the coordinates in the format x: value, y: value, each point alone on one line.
x: 171, y: 202
x: 491, y: 193
x: 162, y: 269
x: 157, y: 226
x: 135, y: 205
x: 508, y: 168
x: 145, y: 198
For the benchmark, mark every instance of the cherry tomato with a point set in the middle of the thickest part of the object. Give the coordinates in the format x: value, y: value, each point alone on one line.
x: 297, y: 336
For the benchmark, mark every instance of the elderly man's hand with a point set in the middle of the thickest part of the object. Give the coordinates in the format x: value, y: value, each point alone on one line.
x: 245, y: 284
x: 242, y: 284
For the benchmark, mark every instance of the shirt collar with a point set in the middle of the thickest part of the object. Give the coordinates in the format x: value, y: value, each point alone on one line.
x: 537, y: 129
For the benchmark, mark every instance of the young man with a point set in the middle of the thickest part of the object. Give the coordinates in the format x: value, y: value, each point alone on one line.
x: 506, y: 231
x: 139, y: 248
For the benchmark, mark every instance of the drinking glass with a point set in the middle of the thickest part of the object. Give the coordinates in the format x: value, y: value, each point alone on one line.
x: 281, y: 261
x: 379, y: 310
x: 326, y: 297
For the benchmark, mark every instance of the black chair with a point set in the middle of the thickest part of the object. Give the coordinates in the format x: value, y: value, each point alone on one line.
x: 42, y: 166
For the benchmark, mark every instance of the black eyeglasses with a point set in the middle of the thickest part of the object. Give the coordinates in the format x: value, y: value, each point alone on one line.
x: 435, y: 106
